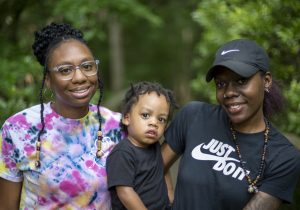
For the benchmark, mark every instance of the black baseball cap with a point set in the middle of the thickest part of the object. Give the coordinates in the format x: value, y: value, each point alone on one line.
x: 244, y: 57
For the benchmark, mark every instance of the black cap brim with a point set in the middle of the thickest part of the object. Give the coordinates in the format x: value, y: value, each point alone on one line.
x: 242, y: 69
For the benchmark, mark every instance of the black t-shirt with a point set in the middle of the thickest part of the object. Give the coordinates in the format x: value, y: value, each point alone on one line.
x: 210, y: 175
x: 141, y: 169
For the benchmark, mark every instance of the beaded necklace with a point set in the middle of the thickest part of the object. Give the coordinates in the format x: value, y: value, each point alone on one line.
x: 252, y: 188
x: 99, y: 152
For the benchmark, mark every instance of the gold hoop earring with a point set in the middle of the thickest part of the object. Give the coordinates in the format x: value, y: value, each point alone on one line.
x: 48, y: 93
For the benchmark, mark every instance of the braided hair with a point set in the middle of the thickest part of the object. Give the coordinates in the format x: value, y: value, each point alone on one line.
x: 141, y: 88
x: 46, y: 40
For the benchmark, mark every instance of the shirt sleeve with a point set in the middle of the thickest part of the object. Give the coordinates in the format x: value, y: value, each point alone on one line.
x: 8, y: 157
x: 284, y: 174
x: 120, y: 169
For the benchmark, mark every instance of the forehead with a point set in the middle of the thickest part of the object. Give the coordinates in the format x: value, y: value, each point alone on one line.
x: 152, y: 100
x: 70, y: 50
x: 152, y: 96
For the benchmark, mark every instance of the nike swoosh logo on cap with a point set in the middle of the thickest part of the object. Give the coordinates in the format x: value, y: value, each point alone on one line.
x: 228, y: 51
x: 199, y: 155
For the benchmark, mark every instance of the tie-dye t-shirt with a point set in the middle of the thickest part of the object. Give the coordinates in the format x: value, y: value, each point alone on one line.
x: 70, y: 176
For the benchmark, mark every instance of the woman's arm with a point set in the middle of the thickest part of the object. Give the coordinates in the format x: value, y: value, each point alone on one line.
x: 263, y: 201
x: 169, y: 157
x: 10, y: 193
x: 130, y: 198
x: 170, y: 188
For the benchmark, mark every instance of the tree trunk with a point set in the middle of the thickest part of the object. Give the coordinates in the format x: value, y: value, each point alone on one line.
x: 116, y: 53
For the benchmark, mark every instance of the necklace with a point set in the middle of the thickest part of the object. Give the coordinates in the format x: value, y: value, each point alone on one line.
x: 252, y: 188
x: 99, y: 152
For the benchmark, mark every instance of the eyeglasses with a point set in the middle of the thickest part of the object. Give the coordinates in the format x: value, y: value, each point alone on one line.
x: 66, y: 72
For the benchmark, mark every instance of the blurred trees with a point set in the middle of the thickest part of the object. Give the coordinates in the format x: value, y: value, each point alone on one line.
x: 172, y: 42
x: 169, y: 41
x: 273, y: 24
x: 135, y: 40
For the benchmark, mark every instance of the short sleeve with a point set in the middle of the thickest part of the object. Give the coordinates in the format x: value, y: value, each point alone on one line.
x: 284, y: 174
x: 8, y: 157
x: 120, y: 169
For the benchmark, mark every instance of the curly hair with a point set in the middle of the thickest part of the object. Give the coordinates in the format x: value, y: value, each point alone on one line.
x: 47, y: 38
x: 141, y: 88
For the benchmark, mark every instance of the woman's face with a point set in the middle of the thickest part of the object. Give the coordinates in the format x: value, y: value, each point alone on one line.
x: 242, y: 98
x: 72, y: 96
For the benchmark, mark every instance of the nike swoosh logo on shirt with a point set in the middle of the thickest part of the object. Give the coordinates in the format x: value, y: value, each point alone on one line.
x: 228, y: 51
x: 199, y: 155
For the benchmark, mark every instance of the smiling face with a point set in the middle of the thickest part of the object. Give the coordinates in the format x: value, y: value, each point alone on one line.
x: 242, y: 98
x: 147, y: 119
x: 72, y: 97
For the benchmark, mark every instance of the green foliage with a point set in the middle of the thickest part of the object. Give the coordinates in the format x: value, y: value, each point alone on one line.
x: 18, y: 86
x: 274, y: 24
x: 293, y: 115
x: 171, y: 42
x: 88, y: 15
x: 158, y: 37
x: 21, y: 74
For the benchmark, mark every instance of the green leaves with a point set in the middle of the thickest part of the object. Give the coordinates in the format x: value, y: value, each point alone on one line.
x: 273, y: 24
x: 19, y: 79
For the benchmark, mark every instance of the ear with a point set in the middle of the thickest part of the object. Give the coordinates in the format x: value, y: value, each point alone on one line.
x: 126, y: 119
x: 268, y: 81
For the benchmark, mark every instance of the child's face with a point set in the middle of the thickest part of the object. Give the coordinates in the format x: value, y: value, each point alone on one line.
x: 147, y: 119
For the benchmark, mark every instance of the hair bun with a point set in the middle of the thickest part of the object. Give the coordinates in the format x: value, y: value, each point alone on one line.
x: 51, y: 35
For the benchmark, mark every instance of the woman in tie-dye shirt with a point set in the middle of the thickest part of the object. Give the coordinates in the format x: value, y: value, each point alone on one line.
x: 52, y: 155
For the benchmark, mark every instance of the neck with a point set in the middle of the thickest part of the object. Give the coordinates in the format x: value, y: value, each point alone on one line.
x: 251, y: 126
x: 68, y: 112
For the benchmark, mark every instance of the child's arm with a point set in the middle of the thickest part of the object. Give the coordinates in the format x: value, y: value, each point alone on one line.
x: 130, y: 198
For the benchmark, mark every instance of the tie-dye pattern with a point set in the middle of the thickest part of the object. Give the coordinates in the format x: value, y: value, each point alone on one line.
x: 70, y: 176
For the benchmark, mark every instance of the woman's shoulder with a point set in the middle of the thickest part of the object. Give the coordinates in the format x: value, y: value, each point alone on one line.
x: 105, y: 112
x: 23, y: 124
x: 279, y: 138
x: 200, y: 107
x: 30, y: 115
x: 111, y: 121
x: 198, y: 104
x: 282, y: 145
